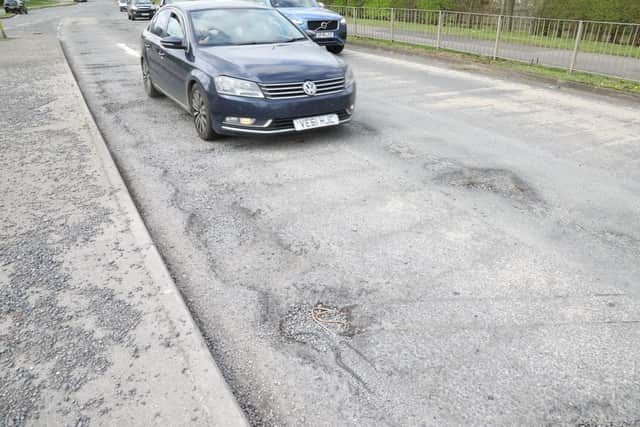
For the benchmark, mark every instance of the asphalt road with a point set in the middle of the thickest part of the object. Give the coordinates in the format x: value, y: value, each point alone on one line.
x: 476, y: 239
x: 598, y: 63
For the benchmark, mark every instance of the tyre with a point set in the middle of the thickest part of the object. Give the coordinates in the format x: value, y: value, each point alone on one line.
x: 6, y: 10
x: 24, y: 10
x: 335, y: 49
x: 201, y: 115
x: 149, y: 87
x: 129, y: 16
x: 133, y: 17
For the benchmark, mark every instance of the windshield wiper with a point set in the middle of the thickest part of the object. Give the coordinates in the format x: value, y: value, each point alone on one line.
x: 296, y: 39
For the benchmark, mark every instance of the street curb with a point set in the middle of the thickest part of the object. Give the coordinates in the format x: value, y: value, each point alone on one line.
x: 158, y: 271
x: 493, y: 71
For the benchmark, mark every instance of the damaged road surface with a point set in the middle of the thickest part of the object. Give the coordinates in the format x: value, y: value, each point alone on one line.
x: 465, y: 252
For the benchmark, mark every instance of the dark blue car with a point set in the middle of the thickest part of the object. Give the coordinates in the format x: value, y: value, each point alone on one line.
x: 241, y: 68
x: 327, y: 28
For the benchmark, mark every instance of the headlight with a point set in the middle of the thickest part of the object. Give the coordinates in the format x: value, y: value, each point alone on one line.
x: 343, y: 21
x: 297, y: 21
x: 237, y: 87
x: 349, y: 78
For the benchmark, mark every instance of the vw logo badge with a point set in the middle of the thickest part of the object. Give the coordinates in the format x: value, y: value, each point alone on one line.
x: 309, y: 88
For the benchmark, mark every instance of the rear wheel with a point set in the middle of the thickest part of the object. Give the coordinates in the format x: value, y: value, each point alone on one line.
x: 201, y: 114
x: 149, y: 87
x: 335, y: 49
x: 6, y: 10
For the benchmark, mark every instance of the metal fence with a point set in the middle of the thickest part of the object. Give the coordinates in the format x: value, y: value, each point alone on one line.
x: 606, y: 48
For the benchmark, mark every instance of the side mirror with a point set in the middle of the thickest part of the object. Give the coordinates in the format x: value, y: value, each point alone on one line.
x: 172, y: 43
x: 311, y: 33
x: 321, y: 4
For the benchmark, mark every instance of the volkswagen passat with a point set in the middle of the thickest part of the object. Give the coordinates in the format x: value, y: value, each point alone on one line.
x: 241, y: 68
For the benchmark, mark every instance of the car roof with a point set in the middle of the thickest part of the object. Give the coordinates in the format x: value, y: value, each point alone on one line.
x: 217, y: 4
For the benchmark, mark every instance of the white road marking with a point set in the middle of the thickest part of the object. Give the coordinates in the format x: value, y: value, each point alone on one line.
x: 128, y: 50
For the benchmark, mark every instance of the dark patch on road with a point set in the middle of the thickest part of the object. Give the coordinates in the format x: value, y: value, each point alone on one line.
x: 318, y: 325
x: 501, y: 182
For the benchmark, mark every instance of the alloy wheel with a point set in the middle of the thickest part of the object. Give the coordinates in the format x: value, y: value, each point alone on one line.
x: 200, y: 113
x: 145, y: 76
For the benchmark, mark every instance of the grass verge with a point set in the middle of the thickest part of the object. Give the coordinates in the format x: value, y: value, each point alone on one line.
x: 549, y: 42
x: 558, y: 74
x: 40, y: 4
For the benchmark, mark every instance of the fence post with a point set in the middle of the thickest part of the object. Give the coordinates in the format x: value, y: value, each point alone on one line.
x: 574, y: 57
x: 393, y: 13
x: 439, y: 30
x: 355, y: 20
x: 496, y: 46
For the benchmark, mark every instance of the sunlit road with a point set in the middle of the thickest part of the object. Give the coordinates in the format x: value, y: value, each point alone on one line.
x: 476, y: 239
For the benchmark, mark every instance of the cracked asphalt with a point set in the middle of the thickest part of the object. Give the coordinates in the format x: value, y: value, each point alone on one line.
x: 465, y: 252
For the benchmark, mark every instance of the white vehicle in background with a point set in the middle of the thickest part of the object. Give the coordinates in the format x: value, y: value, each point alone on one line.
x: 122, y: 4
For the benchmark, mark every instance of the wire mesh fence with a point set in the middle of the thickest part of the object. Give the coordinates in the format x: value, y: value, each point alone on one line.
x: 605, y: 48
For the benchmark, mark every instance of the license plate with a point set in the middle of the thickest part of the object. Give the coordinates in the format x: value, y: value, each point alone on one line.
x: 324, y: 35
x: 316, y: 122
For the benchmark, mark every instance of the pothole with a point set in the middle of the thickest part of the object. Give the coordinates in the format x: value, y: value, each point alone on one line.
x: 497, y: 181
x: 316, y: 325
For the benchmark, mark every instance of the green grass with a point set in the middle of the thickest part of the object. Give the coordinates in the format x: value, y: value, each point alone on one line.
x: 506, y: 36
x: 558, y: 74
x: 40, y: 4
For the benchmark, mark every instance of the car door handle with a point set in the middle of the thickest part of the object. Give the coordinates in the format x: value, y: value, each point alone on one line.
x: 161, y: 53
x: 147, y: 45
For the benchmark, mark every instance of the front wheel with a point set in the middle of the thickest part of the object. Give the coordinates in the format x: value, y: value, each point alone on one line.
x: 133, y: 17
x: 6, y: 10
x: 149, y: 87
x: 201, y: 114
x: 335, y: 49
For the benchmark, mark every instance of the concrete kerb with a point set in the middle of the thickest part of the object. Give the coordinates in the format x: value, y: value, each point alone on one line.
x: 173, y: 301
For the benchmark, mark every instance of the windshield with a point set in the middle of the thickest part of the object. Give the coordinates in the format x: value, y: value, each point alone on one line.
x: 142, y: 2
x: 225, y: 27
x: 294, y: 3
x: 261, y: 2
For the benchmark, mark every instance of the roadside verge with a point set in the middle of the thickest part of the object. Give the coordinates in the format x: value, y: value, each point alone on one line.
x: 546, y: 75
x: 94, y: 330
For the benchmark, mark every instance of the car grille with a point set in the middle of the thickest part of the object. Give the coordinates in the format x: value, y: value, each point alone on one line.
x: 285, y: 124
x: 294, y: 90
x: 317, y: 25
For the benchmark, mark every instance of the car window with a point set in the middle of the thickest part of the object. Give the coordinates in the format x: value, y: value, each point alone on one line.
x: 224, y: 27
x: 174, y: 29
x: 159, y: 27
